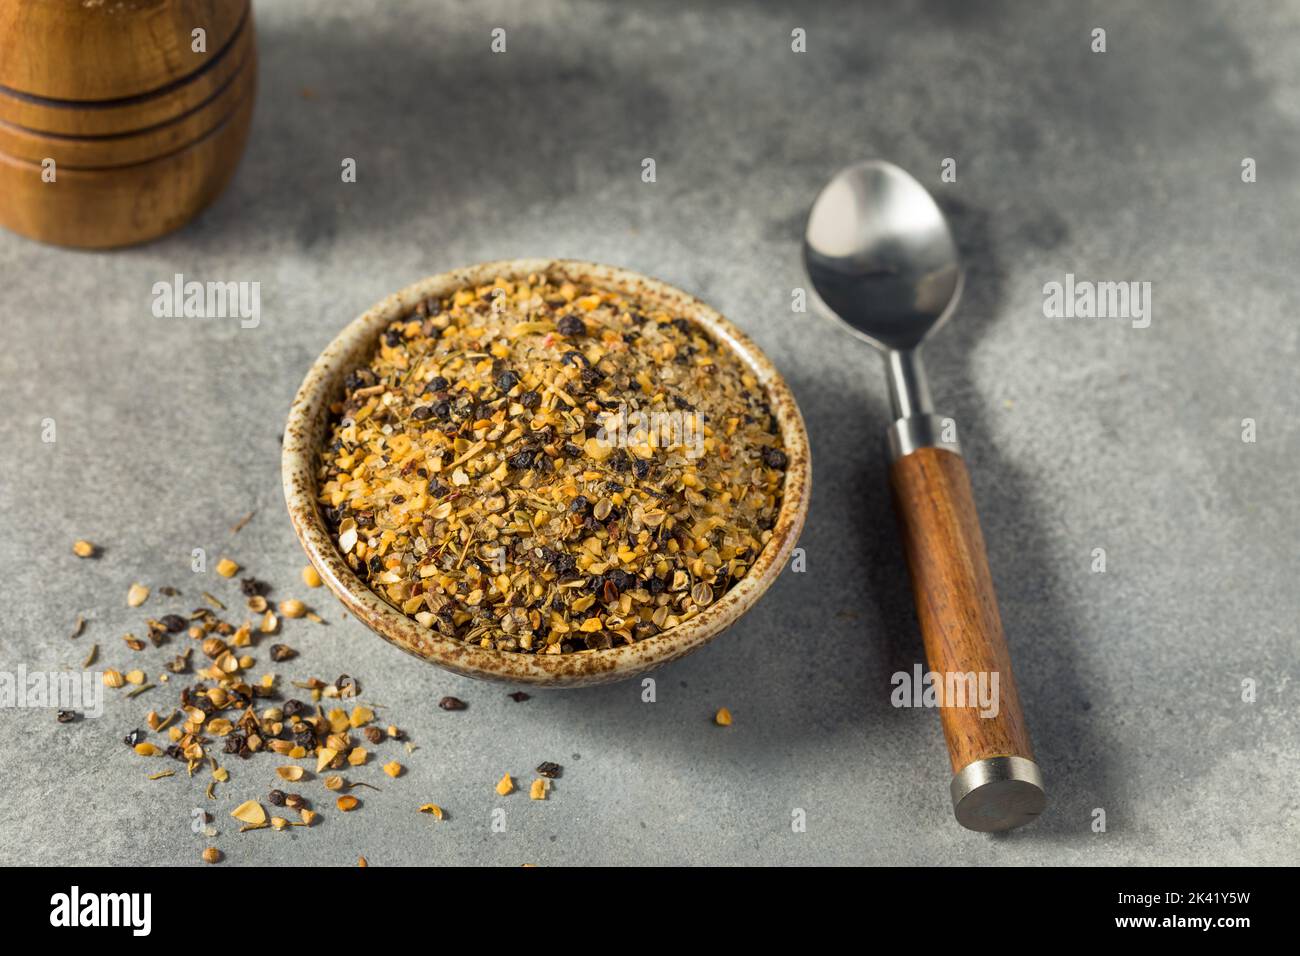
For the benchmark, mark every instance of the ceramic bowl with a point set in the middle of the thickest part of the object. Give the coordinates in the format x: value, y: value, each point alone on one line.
x: 309, y: 420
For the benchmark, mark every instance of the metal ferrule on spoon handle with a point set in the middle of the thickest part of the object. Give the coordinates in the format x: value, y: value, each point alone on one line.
x: 996, y: 783
x: 915, y: 424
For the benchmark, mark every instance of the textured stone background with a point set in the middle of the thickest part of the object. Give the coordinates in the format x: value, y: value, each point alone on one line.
x: 1080, y: 434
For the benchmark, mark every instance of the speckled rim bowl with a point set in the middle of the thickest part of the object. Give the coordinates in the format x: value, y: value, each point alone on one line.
x: 305, y: 430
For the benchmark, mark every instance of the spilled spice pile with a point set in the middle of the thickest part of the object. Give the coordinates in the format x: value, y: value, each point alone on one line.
x: 222, y: 711
x: 542, y: 467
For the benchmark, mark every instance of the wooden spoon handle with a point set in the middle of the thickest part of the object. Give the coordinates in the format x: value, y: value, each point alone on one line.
x: 997, y: 784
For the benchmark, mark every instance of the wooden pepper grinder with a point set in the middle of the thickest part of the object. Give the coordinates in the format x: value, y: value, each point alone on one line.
x: 120, y: 119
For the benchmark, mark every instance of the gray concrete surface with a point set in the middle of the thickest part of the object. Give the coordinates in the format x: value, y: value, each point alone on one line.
x: 1081, y: 434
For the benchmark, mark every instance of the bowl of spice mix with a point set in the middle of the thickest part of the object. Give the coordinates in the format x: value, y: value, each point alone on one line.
x: 546, y: 472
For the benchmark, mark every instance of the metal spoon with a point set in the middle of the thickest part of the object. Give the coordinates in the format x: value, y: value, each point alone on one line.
x: 883, y: 261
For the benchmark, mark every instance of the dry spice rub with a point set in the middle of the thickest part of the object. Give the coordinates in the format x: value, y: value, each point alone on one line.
x: 544, y: 467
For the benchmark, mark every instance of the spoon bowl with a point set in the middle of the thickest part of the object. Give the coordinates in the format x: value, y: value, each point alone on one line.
x: 881, y: 256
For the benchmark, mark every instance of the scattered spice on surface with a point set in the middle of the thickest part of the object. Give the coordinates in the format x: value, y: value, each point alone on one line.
x: 293, y: 608
x: 250, y: 812
x: 227, y: 568
x: 540, y: 467
x: 66, y: 716
x: 238, y: 526
x: 84, y: 549
x: 325, y: 757
x: 211, y: 855
x: 723, y: 717
x: 311, y: 577
x: 78, y: 627
x: 252, y: 587
x: 550, y: 770
x: 136, y: 595
x: 518, y: 696
x: 224, y: 709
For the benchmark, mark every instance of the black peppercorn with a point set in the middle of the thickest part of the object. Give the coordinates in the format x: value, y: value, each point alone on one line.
x: 252, y: 587
x: 571, y: 325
